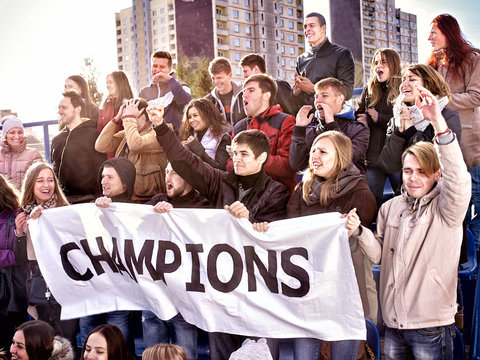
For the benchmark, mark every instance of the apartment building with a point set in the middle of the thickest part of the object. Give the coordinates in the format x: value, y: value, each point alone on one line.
x: 192, y: 28
x: 366, y: 25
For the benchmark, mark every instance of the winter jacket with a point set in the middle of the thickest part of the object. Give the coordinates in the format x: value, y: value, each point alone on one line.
x: 289, y: 103
x: 62, y: 349
x: 105, y: 116
x: 266, y: 201
x: 174, y: 95
x: 327, y: 60
x: 352, y: 192
x: 191, y: 200
x: 14, y: 162
x: 237, y: 111
x: 378, y: 129
x: 221, y: 154
x: 143, y: 150
x: 76, y: 162
x: 345, y: 122
x: 391, y: 156
x: 278, y: 127
x: 465, y: 99
x: 417, y: 243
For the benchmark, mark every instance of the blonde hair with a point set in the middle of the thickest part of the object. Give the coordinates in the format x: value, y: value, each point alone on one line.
x: 164, y: 352
x: 343, y: 158
x: 426, y: 156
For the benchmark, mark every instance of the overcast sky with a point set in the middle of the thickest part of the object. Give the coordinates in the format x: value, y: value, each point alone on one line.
x: 43, y: 42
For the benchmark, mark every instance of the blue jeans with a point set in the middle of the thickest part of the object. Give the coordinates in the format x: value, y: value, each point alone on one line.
x: 117, y: 318
x: 423, y: 344
x: 176, y: 329
x: 309, y: 348
x: 376, y: 179
x: 474, y: 207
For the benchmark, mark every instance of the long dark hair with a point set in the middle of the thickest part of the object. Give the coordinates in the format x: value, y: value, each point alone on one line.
x: 38, y: 339
x: 116, y: 345
x: 209, y: 113
x: 124, y: 91
x: 8, y: 195
x: 84, y: 92
x: 458, y: 48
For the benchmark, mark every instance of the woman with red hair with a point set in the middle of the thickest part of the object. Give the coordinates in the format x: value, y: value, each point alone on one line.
x: 459, y: 63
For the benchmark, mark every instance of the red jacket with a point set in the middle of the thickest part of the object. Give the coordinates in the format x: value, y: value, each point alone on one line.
x: 278, y: 127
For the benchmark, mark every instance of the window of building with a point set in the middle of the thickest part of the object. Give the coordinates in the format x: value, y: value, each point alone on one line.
x: 162, y: 11
x: 275, y: 6
x: 379, y: 26
x: 291, y: 37
x: 282, y: 49
x: 291, y: 25
x: 247, y: 16
x: 155, y: 41
x: 164, y: 29
x: 292, y: 63
x: 262, y: 17
x: 379, y: 16
x: 384, y: 17
x: 235, y: 1
x: 248, y: 30
x: 292, y: 76
x: 284, y: 75
x: 380, y: 44
x: 280, y: 23
x: 238, y: 70
x: 280, y: 9
x: 162, y: 20
x: 277, y: 45
x: 126, y: 39
x: 154, y: 22
x: 247, y: 2
x: 385, y: 26
x: 126, y: 67
x: 125, y: 48
x: 124, y: 21
x: 290, y: 11
x: 263, y: 44
x: 390, y: 9
x: 283, y: 61
x: 155, y: 31
x: 164, y: 39
x: 236, y: 42
x: 249, y: 43
x: 292, y: 50
x: 236, y: 27
x: 236, y: 14
x: 412, y: 25
x: 282, y: 36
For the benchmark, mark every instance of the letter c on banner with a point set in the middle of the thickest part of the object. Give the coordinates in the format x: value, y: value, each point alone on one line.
x: 67, y: 265
x: 212, y: 272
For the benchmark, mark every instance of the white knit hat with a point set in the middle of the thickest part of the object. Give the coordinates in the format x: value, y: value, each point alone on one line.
x: 9, y: 122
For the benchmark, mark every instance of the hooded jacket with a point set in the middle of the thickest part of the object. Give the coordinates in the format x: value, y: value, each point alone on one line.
x: 352, y: 192
x: 14, y: 161
x: 417, y: 243
x: 62, y: 350
x: 278, y: 127
x: 237, y: 111
x: 76, y: 162
x: 174, y: 95
x: 266, y: 201
x: 126, y: 172
x: 345, y: 122
x: 327, y: 60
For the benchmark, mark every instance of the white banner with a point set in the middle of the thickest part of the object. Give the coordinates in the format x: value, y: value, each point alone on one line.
x: 296, y: 280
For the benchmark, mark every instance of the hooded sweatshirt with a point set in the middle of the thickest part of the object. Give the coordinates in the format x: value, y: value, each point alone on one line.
x: 126, y: 171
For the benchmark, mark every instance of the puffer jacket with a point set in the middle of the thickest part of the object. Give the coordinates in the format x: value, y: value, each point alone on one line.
x: 417, y: 243
x: 143, y: 150
x: 14, y: 162
x: 465, y: 99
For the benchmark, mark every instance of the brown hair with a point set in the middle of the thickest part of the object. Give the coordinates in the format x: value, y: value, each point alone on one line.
x: 252, y: 60
x: 426, y: 156
x: 38, y: 339
x: 255, y: 139
x: 163, y: 55
x: 336, y: 85
x: 164, y: 352
x: 343, y: 158
x: 432, y: 80
x: 8, y: 195
x: 209, y: 113
x: 75, y: 98
x: 124, y: 91
x: 116, y: 345
x: 393, y: 83
x: 266, y: 84
x: 28, y: 185
x: 84, y: 93
x: 218, y: 65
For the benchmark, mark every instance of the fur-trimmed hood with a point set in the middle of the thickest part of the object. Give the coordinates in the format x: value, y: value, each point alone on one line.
x: 62, y: 349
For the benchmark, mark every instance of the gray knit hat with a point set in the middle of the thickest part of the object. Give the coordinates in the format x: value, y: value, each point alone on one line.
x: 9, y: 122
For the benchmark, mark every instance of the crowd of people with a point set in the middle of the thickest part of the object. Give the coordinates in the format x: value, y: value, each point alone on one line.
x: 240, y: 149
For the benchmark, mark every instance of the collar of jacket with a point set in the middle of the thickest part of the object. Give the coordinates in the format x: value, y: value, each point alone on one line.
x: 264, y: 116
x: 417, y: 204
x: 232, y: 180
x: 346, y: 113
x: 321, y: 47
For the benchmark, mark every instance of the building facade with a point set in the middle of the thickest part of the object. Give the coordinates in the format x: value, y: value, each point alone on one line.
x: 228, y: 28
x: 364, y: 26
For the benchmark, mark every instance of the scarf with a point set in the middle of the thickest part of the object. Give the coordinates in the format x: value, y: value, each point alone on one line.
x: 416, y: 115
x: 27, y: 209
x: 8, y: 149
